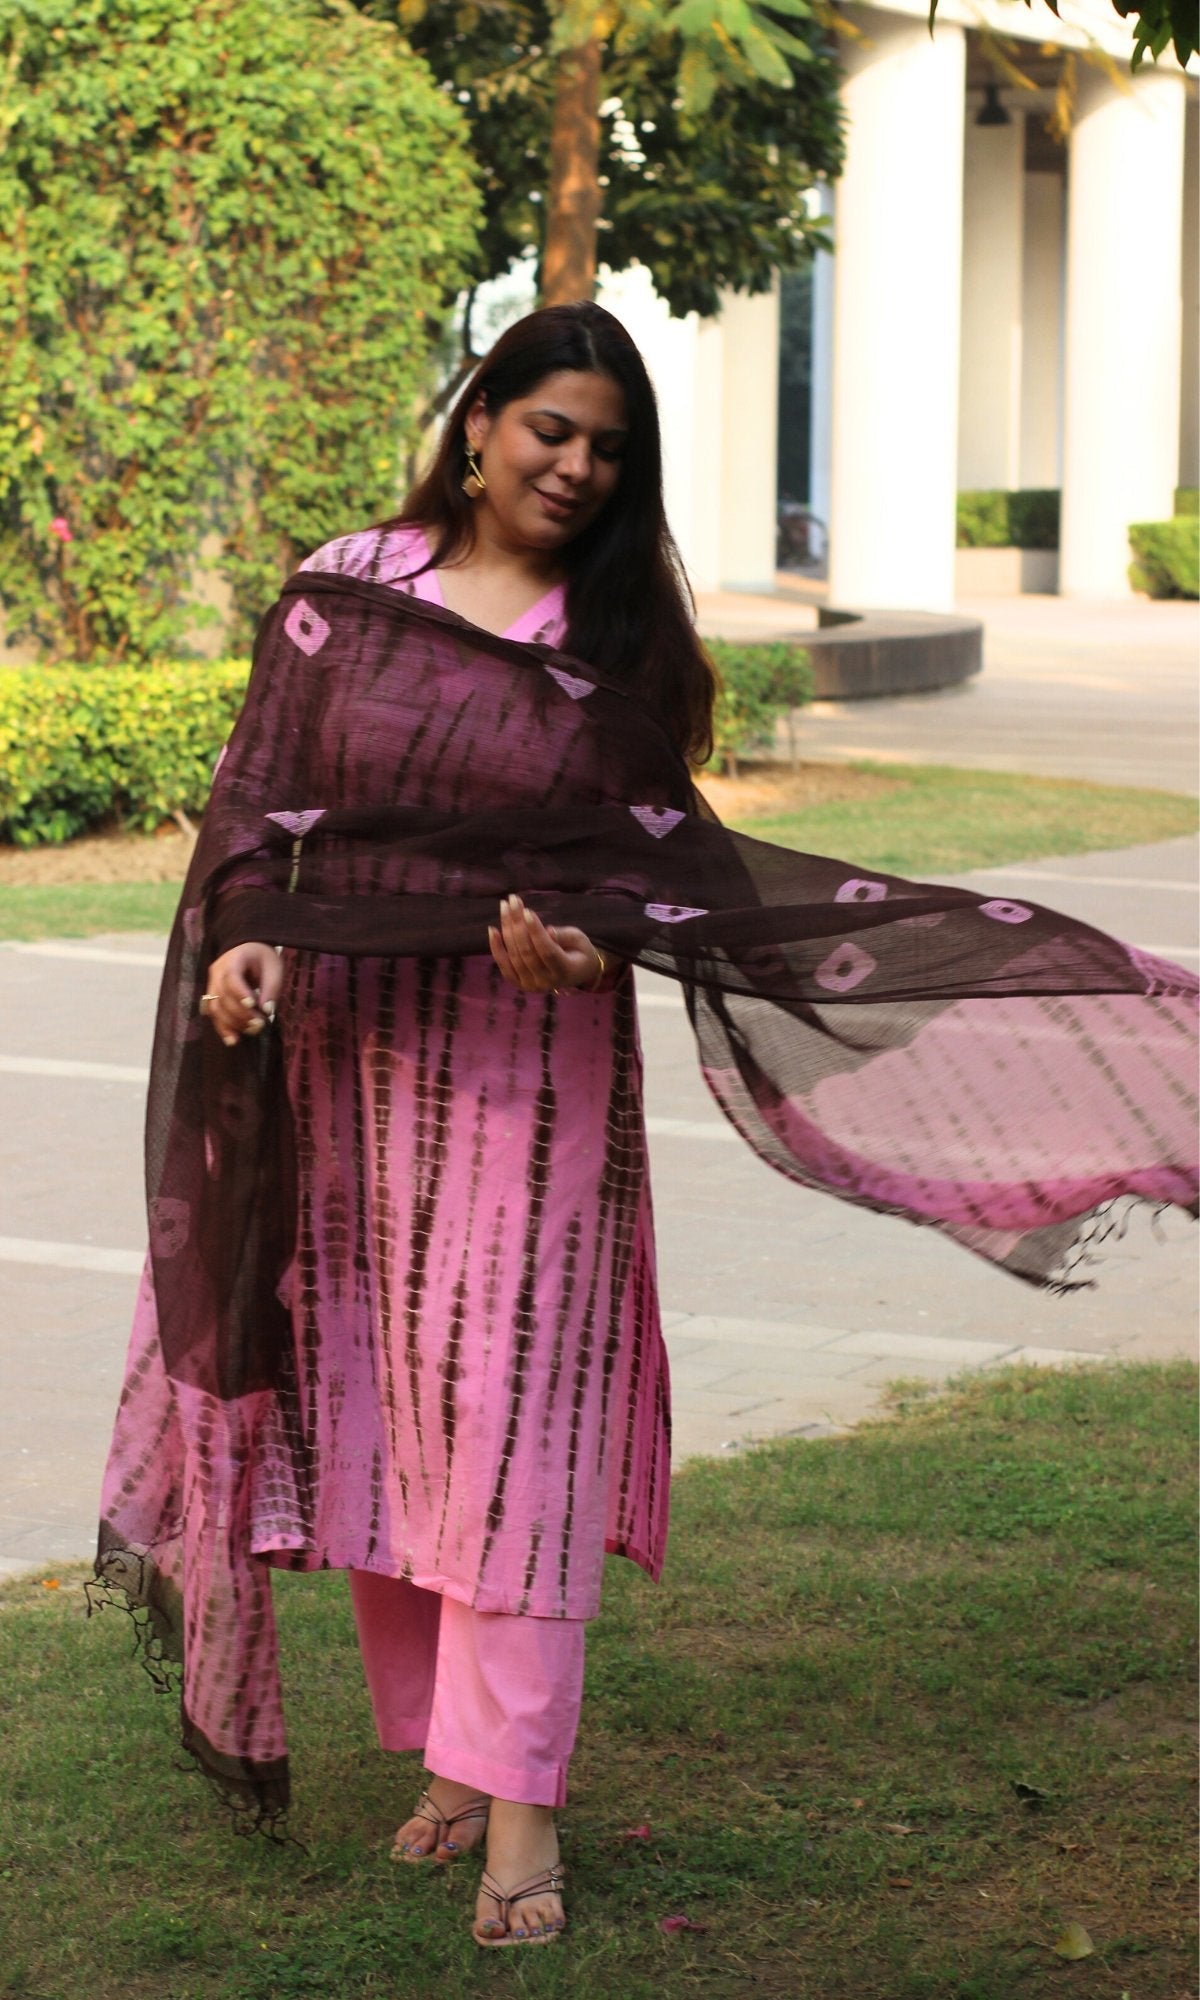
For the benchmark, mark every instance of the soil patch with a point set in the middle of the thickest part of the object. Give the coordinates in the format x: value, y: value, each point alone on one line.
x: 774, y: 787
x: 99, y: 857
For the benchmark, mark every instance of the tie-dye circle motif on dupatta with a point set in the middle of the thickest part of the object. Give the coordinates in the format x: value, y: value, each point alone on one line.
x: 420, y: 1191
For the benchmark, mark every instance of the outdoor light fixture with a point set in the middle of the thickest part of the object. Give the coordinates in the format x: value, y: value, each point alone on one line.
x: 992, y: 112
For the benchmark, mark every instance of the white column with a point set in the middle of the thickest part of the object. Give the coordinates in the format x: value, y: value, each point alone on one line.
x: 1121, y: 392
x: 683, y: 358
x: 820, y: 424
x: 1042, y: 343
x: 705, y: 498
x: 989, y: 397
x: 749, y: 438
x: 897, y: 279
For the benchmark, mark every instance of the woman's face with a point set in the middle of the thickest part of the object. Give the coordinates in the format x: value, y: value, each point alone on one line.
x: 551, y: 459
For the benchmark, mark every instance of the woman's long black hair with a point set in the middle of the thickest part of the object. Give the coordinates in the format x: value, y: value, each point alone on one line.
x: 629, y: 608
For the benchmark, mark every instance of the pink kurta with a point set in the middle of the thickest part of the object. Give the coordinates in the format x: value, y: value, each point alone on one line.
x: 479, y: 1365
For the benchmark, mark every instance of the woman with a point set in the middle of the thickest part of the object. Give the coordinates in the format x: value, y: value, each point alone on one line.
x: 546, y: 431
x: 531, y: 544
x: 400, y: 1313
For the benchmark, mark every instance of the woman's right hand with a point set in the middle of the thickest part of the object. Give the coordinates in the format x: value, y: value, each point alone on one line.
x: 243, y: 986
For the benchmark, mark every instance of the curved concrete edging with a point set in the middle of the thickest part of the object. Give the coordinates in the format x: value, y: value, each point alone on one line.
x: 860, y: 654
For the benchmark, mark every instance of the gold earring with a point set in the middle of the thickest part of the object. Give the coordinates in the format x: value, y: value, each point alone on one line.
x: 474, y: 484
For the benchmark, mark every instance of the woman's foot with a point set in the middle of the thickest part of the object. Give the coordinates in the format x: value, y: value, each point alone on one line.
x: 443, y: 1824
x: 522, y: 1854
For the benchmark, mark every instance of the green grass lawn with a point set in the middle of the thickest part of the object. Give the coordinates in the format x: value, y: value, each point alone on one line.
x: 907, y: 1704
x: 930, y: 820
x: 941, y: 821
x: 82, y: 909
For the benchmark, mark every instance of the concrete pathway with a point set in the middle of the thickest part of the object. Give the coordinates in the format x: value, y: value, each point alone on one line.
x: 785, y: 1311
x: 1107, y: 692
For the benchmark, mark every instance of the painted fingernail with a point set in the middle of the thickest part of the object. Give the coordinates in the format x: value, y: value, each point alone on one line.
x: 230, y: 1041
x: 247, y: 1000
x: 256, y: 1026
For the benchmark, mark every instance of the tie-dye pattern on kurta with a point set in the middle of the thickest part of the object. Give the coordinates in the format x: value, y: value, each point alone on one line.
x: 481, y: 1376
x: 479, y: 1379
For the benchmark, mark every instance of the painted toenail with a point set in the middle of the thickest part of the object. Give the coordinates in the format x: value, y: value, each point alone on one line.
x: 519, y: 1933
x: 452, y: 1846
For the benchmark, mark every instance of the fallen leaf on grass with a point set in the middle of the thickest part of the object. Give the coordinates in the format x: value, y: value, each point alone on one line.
x: 641, y: 1832
x: 670, y: 1924
x: 894, y: 1826
x: 1074, y: 1943
x: 899, y: 1882
x: 51, y: 1583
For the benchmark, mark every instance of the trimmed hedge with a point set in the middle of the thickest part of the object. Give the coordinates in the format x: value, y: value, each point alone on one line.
x: 995, y: 519
x: 1187, y: 500
x: 1166, y: 556
x: 759, y: 684
x: 81, y: 746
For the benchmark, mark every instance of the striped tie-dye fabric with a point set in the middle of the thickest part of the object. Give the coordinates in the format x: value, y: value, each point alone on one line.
x: 400, y: 1309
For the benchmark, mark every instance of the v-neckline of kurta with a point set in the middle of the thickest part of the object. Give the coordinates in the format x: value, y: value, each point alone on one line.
x: 533, y: 618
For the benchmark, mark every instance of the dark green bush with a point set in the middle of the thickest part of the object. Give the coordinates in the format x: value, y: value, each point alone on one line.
x: 995, y: 519
x: 759, y: 684
x: 81, y: 746
x: 227, y: 235
x: 1166, y: 556
x: 1187, y: 500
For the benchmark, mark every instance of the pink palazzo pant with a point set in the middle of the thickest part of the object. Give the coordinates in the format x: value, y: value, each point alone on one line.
x: 492, y: 1699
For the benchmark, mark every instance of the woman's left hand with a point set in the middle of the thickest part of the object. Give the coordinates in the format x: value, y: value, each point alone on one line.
x: 537, y: 959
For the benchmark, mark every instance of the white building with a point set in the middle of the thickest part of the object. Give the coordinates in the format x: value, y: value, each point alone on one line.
x: 1001, y: 311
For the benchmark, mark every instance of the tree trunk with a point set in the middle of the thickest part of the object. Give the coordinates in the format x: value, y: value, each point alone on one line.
x: 575, y: 196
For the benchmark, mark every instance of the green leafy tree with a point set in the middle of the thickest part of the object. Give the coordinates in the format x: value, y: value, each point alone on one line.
x: 1157, y: 25
x: 701, y: 157
x: 228, y: 234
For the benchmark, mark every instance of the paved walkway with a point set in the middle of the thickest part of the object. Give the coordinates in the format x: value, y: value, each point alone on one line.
x: 785, y: 1311
x: 1107, y: 692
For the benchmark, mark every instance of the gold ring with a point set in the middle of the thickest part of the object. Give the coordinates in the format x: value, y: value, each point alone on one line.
x: 206, y: 1001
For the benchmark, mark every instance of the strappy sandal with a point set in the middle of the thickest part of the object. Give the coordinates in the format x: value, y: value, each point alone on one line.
x: 426, y: 1808
x: 552, y: 1880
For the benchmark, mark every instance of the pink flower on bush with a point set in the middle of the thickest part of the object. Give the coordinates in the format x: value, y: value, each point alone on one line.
x: 61, y: 527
